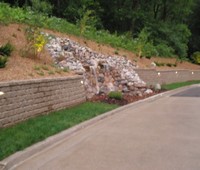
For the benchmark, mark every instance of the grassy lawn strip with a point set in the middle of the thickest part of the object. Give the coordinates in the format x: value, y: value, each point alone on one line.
x: 180, y: 84
x: 24, y: 134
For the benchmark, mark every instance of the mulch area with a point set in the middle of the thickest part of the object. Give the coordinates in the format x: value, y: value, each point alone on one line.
x: 126, y: 98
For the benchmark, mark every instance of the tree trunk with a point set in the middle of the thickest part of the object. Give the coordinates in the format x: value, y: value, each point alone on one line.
x: 164, y: 14
x: 156, y: 8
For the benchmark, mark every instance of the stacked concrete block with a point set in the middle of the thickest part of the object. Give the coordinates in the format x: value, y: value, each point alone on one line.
x: 152, y: 76
x: 25, y: 99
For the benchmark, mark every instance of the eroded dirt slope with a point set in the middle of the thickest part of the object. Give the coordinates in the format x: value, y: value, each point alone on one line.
x: 19, y: 68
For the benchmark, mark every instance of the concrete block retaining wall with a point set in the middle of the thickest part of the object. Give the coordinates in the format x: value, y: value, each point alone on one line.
x: 28, y: 98
x: 151, y: 76
x: 24, y: 99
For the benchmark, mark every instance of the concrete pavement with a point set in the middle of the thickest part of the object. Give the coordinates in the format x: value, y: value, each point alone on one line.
x: 161, y: 133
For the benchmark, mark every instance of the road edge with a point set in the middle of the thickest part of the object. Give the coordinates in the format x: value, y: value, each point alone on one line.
x: 51, y: 141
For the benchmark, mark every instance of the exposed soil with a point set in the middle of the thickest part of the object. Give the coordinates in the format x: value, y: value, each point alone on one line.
x: 19, y: 68
x: 180, y: 64
x: 141, y: 62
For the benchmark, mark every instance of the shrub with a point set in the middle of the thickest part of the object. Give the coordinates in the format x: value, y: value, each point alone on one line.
x: 83, y: 23
x: 143, y: 46
x: 44, y: 67
x: 115, y: 95
x: 159, y: 64
x: 164, y: 50
x: 196, y: 57
x: 140, y: 42
x: 4, y: 15
x: 65, y: 69
x: 149, y: 50
x: 36, y: 42
x: 3, y: 61
x: 116, y: 52
x: 6, y: 49
x: 41, y: 7
x: 148, y: 57
x: 171, y: 39
x: 175, y: 65
x: 169, y: 64
x: 51, y: 72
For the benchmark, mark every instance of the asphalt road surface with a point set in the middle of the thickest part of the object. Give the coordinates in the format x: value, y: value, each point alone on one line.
x: 159, y: 134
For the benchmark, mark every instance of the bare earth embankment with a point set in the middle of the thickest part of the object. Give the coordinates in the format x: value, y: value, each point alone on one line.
x: 20, y: 68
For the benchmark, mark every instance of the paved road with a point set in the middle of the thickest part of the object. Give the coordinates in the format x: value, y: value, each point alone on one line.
x: 160, y: 134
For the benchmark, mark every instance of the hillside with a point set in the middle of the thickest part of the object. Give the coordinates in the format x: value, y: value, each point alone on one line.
x: 19, y: 67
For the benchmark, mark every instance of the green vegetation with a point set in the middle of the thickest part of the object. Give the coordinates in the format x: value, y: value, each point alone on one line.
x: 51, y: 72
x: 172, y: 65
x: 143, y: 46
x: 116, y: 52
x: 115, y: 95
x: 66, y: 69
x: 37, y: 68
x: 194, y: 26
x: 6, y: 49
x: 45, y: 67
x: 153, y: 28
x: 42, y: 7
x: 83, y: 23
x: 9, y: 15
x: 43, y: 70
x: 159, y: 64
x: 24, y: 134
x: 5, y: 52
x: 180, y: 84
x: 3, y: 61
x: 196, y: 57
x: 40, y: 72
x: 58, y: 70
x: 36, y: 42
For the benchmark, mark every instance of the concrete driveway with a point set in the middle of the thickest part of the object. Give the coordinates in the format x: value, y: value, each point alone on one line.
x: 161, y: 133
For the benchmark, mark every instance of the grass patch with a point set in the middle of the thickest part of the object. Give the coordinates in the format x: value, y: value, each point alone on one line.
x: 44, y: 67
x: 37, y: 68
x: 180, y: 84
x: 22, y: 135
x: 50, y: 72
x: 66, y: 70
x: 41, y: 73
x: 59, y: 71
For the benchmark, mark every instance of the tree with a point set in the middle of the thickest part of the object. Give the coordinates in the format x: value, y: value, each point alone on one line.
x: 194, y: 25
x: 166, y: 21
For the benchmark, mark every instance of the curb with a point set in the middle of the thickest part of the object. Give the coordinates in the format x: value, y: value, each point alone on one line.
x: 52, y: 141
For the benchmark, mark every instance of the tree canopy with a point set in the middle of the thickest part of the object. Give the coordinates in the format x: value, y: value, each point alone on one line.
x: 171, y: 26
